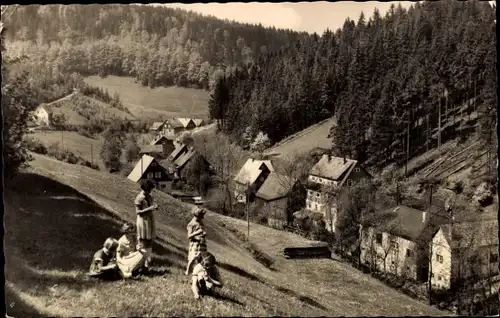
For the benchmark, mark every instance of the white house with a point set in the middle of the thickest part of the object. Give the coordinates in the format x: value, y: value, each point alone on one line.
x: 331, y: 172
x: 42, y: 115
x: 464, y: 250
x: 395, y: 241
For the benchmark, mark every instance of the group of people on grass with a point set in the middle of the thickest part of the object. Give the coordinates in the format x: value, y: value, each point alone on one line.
x: 131, y: 255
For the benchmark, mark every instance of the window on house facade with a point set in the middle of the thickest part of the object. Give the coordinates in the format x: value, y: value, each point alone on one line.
x: 363, y: 181
x: 349, y: 183
x: 356, y: 170
x: 409, y: 253
x: 163, y: 186
x: 150, y: 175
x: 378, y: 238
x: 157, y: 174
x: 439, y: 258
x: 493, y: 258
x: 153, y: 164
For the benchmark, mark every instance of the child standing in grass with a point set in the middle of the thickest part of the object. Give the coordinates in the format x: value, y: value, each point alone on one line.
x: 103, y: 263
x: 146, y: 228
x: 205, y: 276
x: 196, y: 237
x: 128, y: 259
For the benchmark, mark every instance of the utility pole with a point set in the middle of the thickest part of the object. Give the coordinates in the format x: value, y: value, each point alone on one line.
x: 439, y: 124
x: 248, y: 211
x: 407, y: 147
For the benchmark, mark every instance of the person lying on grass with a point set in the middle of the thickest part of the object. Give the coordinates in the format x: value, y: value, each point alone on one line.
x: 205, y: 277
x: 129, y: 260
x: 103, y: 263
x: 196, y: 237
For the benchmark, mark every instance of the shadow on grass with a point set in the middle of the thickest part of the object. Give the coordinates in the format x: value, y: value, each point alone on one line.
x: 305, y: 299
x: 219, y: 296
x: 241, y: 272
x: 53, y: 228
x: 16, y: 307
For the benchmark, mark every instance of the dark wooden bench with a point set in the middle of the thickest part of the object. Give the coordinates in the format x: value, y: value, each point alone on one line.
x: 307, y: 252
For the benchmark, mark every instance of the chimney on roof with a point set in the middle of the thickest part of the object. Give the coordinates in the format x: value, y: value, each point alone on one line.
x: 345, y: 160
x: 424, y: 216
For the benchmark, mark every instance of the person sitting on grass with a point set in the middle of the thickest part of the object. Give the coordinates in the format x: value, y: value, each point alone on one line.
x: 103, y: 263
x: 205, y: 276
x: 129, y: 260
x: 196, y: 237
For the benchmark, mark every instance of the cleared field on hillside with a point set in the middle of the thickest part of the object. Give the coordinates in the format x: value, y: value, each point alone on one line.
x: 304, y: 141
x: 145, y: 102
x: 64, y: 219
x: 82, y: 146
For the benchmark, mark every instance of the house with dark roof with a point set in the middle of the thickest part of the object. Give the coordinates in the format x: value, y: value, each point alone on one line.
x: 149, y: 168
x: 332, y: 172
x: 198, y: 122
x: 396, y: 240
x: 157, y: 126
x: 251, y: 177
x: 272, y: 199
x: 168, y: 143
x: 464, y: 250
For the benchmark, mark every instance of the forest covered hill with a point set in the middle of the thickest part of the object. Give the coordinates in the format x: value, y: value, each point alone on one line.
x: 156, y: 45
x: 387, y: 79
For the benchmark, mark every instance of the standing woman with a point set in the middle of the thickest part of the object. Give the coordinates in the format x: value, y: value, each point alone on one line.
x: 146, y: 230
x: 197, y: 238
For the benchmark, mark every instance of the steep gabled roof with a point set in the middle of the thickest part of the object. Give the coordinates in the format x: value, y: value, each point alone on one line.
x: 177, y: 151
x: 184, y: 121
x: 275, y: 186
x: 251, y: 170
x: 140, y: 168
x: 183, y: 159
x: 175, y: 122
x: 198, y: 122
x: 332, y: 168
x: 156, y: 125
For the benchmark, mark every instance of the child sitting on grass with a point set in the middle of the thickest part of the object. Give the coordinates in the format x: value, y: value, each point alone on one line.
x: 103, y: 263
x: 205, y: 276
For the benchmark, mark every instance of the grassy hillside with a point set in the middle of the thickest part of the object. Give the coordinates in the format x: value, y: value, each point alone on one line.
x: 87, y: 148
x: 58, y: 216
x: 305, y: 140
x: 145, y: 102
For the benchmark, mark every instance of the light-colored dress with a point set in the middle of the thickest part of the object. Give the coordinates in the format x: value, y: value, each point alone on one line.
x: 146, y: 228
x: 128, y: 258
x: 197, y: 245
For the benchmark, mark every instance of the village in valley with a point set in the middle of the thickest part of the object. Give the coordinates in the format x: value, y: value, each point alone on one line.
x: 313, y: 197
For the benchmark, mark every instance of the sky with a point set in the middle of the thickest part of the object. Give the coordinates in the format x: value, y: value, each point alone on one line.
x: 299, y: 16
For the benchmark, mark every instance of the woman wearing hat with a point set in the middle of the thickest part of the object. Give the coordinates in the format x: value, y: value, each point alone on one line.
x: 146, y: 230
x: 103, y: 265
x: 128, y: 259
x: 196, y: 237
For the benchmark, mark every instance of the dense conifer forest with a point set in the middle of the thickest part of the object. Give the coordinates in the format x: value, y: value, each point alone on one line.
x: 387, y: 79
